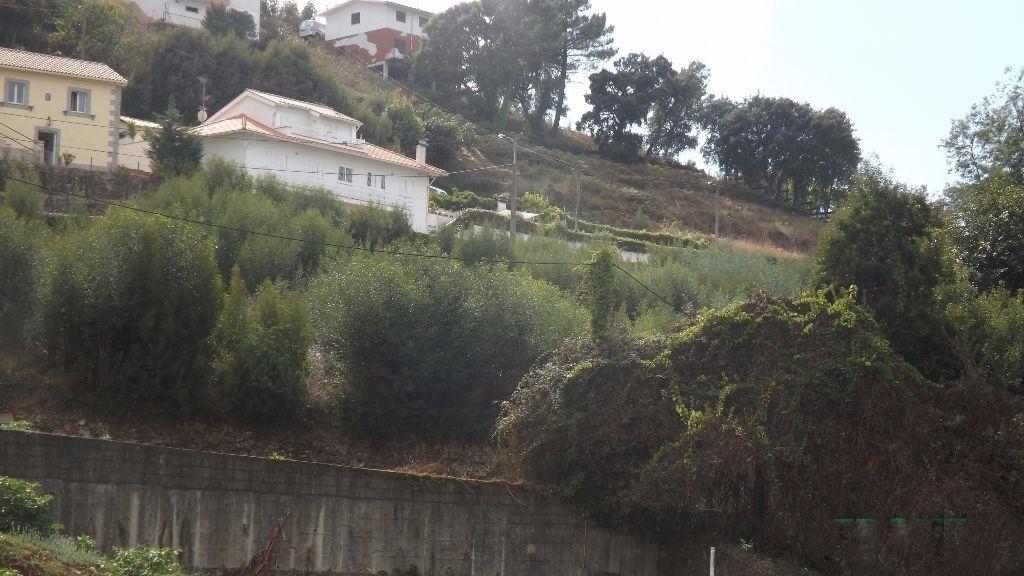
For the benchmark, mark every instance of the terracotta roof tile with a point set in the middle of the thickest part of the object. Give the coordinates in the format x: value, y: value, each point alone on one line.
x: 36, y: 62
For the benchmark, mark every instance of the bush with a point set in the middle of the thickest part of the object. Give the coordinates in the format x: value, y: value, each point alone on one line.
x: 374, y: 228
x: 21, y: 256
x: 458, y: 200
x: 987, y: 334
x: 427, y: 347
x: 129, y: 308
x: 485, y: 244
x: 22, y: 507
x: 143, y: 561
x: 987, y: 229
x: 261, y: 350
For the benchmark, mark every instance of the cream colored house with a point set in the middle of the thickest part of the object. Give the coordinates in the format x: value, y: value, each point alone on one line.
x: 59, y: 110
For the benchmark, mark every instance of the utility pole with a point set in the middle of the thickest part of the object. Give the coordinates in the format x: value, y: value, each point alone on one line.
x: 515, y: 190
x: 576, y: 221
x: 717, y: 208
x: 712, y: 561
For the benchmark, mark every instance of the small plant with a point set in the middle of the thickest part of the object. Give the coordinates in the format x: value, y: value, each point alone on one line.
x: 9, y: 572
x: 67, y: 158
x: 17, y: 426
x: 85, y: 543
x: 143, y: 561
x: 275, y: 455
x: 22, y: 507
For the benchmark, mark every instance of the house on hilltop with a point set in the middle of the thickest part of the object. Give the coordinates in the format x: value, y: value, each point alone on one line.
x: 307, y: 144
x: 192, y: 12
x: 58, y: 110
x: 380, y: 33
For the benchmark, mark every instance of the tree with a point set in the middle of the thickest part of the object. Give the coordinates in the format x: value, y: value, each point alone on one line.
x: 677, y: 111
x: 586, y: 41
x: 989, y: 140
x: 93, y: 30
x: 601, y: 295
x: 172, y: 149
x: 796, y: 154
x: 221, y: 20
x: 987, y: 229
x: 278, y: 20
x: 885, y: 241
x: 25, y: 24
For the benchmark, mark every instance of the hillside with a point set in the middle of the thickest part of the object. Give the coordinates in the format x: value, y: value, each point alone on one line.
x: 611, y: 192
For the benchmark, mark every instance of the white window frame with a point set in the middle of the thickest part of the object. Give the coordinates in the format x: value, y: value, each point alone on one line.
x: 12, y: 83
x: 72, y: 100
x: 401, y: 16
x: 345, y: 174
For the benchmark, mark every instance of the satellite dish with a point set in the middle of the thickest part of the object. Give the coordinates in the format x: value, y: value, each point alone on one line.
x: 202, y: 115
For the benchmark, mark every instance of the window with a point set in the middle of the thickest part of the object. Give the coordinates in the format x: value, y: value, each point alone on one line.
x: 400, y: 45
x: 192, y: 9
x: 344, y: 174
x: 423, y: 21
x: 17, y: 93
x: 355, y: 18
x: 78, y: 103
x: 369, y: 179
x: 382, y: 183
x: 400, y: 16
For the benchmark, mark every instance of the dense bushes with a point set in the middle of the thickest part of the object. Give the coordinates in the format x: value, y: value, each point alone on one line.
x: 261, y: 350
x: 774, y: 419
x: 128, y: 305
x: 21, y: 243
x: 23, y: 508
x: 429, y: 347
x: 458, y: 200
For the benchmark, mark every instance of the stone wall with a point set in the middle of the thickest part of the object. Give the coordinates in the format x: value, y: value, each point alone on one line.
x: 220, y: 509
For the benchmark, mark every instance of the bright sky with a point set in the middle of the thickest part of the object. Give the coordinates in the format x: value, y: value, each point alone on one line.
x: 901, y: 69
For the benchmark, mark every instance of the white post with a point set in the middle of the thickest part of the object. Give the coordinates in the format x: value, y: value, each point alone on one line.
x: 712, y: 561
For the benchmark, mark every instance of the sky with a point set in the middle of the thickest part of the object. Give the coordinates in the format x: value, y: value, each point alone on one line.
x: 902, y: 70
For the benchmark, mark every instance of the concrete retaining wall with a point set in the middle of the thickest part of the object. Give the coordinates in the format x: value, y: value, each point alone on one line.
x: 220, y: 509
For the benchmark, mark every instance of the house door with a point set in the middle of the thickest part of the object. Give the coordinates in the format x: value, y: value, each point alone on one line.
x: 49, y: 140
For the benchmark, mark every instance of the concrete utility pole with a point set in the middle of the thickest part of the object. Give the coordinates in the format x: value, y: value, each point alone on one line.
x: 712, y: 561
x: 717, y: 207
x: 515, y: 190
x: 576, y: 221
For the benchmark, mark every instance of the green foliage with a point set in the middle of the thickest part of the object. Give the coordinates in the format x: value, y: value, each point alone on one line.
x: 989, y: 140
x: 9, y: 572
x: 21, y: 259
x: 22, y: 507
x: 426, y: 348
x: 485, y: 244
x: 406, y: 127
x: 97, y: 30
x: 600, y: 292
x: 172, y: 150
x: 261, y: 350
x: 221, y: 20
x: 885, y: 241
x: 986, y: 226
x: 78, y: 552
x: 446, y: 134
x: 17, y: 426
x: 987, y: 334
x: 128, y: 308
x: 374, y: 227
x: 24, y: 199
x: 143, y: 561
x: 458, y: 200
x: 25, y: 24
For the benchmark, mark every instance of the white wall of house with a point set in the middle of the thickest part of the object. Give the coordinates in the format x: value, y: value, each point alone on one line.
x: 372, y: 16
x: 292, y: 120
x: 132, y: 153
x: 192, y: 12
x: 304, y: 165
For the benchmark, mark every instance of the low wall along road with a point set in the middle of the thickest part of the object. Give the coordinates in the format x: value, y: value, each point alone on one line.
x: 221, y: 509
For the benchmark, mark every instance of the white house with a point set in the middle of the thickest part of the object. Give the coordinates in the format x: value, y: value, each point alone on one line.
x: 192, y: 12
x: 380, y: 33
x: 308, y: 144
x: 132, y: 146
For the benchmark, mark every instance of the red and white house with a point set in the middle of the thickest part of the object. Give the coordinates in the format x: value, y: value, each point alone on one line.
x: 378, y: 32
x: 308, y: 144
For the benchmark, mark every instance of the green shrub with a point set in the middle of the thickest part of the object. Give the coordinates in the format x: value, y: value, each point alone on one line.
x: 22, y: 507
x: 987, y: 334
x: 374, y: 227
x: 24, y: 200
x: 143, y: 561
x: 484, y: 244
x: 429, y: 347
x: 9, y: 572
x: 458, y: 200
x: 129, y: 308
x: 261, y: 350
x: 21, y: 258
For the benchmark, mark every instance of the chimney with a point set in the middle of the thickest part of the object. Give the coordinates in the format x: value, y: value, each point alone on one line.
x: 421, y: 152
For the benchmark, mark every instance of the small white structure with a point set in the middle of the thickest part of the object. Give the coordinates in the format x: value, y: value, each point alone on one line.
x: 132, y: 147
x: 381, y: 33
x: 192, y: 12
x: 308, y: 144
x: 312, y: 28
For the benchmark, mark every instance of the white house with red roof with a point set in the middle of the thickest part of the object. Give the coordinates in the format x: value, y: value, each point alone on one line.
x: 380, y: 33
x: 307, y: 144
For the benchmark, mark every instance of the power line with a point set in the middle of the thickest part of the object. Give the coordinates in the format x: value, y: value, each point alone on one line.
x: 333, y: 244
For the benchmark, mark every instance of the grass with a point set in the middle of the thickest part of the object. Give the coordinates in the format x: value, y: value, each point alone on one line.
x: 35, y: 555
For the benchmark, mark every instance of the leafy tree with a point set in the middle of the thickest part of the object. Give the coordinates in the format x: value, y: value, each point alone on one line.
x: 106, y: 26
x: 374, y: 227
x: 172, y: 149
x: 599, y: 286
x: 129, y: 306
x: 586, y: 42
x: 221, y: 20
x: 261, y: 349
x: 989, y: 140
x: 796, y: 154
x: 279, y: 20
x: 289, y: 69
x: 26, y: 24
x: 885, y: 241
x: 677, y: 111
x: 446, y: 134
x: 21, y: 259
x: 406, y: 127
x: 22, y: 507
x: 987, y: 230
